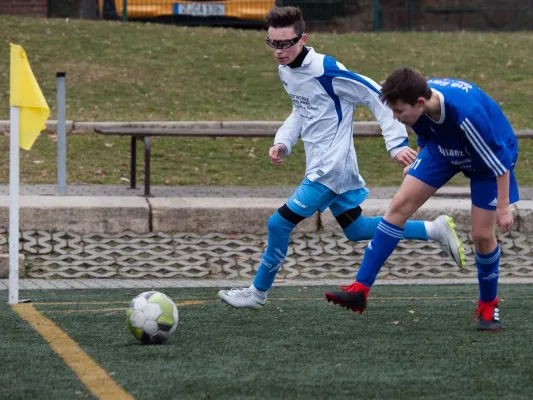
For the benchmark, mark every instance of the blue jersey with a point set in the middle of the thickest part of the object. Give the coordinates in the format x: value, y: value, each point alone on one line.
x: 473, y: 133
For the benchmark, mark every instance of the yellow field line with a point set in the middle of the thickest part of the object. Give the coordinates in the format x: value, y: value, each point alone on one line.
x: 94, y: 377
x: 193, y: 302
x: 81, y: 310
x: 59, y: 303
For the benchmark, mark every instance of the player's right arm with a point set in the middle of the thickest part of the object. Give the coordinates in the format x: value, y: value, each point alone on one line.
x: 360, y: 89
x: 286, y: 138
x: 421, y: 142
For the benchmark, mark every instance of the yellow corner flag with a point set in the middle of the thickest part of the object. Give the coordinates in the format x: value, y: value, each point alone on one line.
x: 26, y: 94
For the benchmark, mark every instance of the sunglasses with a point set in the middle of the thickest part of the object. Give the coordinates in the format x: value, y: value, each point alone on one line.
x: 282, y: 44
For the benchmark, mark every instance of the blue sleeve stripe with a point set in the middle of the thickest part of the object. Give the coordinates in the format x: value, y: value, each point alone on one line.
x: 332, y: 70
x: 327, y: 83
x: 404, y: 143
x: 482, y: 148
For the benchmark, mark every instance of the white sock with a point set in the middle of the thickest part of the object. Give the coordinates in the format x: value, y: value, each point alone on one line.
x: 262, y: 294
x: 431, y: 230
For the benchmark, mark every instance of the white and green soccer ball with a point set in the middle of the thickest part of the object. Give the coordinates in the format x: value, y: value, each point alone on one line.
x: 152, y: 317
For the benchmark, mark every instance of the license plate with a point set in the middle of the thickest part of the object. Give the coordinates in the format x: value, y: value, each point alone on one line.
x: 200, y: 9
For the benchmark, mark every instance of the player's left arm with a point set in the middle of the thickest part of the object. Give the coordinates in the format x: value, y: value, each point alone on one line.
x: 484, y: 138
x: 503, y: 208
x: 359, y: 89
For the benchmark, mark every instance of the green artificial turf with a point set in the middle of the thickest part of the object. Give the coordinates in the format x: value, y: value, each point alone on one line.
x: 413, y: 342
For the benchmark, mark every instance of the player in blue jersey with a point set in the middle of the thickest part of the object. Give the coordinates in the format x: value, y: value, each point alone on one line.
x: 460, y: 129
x: 324, y: 94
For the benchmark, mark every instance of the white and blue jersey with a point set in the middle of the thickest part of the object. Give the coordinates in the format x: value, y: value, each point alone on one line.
x: 472, y: 135
x: 324, y: 94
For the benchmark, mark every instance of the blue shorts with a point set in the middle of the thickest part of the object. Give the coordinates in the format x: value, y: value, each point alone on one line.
x: 311, y: 197
x: 435, y: 171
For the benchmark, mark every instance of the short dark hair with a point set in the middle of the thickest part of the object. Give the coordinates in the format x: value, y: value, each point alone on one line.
x: 282, y: 17
x: 406, y: 85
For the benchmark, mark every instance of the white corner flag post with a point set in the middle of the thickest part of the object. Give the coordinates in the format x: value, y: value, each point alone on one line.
x: 28, y: 115
x: 14, y: 176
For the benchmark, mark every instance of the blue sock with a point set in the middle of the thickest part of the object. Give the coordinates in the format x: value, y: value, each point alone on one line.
x: 364, y: 228
x: 279, y: 231
x: 415, y: 230
x: 487, y: 274
x: 379, y: 249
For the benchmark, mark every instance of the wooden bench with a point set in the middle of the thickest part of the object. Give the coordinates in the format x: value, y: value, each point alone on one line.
x: 144, y: 134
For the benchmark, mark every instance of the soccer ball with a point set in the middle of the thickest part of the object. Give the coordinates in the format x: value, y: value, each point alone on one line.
x: 152, y: 317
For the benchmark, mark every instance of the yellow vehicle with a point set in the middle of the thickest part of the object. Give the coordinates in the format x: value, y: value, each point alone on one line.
x: 248, y: 10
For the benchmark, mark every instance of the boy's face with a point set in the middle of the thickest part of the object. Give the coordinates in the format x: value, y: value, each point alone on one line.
x: 285, y: 44
x: 406, y: 113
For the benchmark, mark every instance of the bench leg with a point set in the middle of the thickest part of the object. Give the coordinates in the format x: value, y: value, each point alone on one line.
x: 147, y: 167
x: 133, y: 162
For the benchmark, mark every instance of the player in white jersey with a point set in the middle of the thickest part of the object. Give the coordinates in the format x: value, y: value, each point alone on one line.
x: 324, y: 94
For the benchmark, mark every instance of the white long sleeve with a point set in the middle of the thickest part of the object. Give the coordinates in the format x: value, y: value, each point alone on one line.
x: 323, y: 95
x: 359, y: 89
x: 289, y: 132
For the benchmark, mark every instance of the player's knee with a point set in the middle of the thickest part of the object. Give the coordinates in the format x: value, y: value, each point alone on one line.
x: 401, y: 208
x: 283, y: 220
x: 348, y: 217
x: 482, y: 235
x: 274, y: 223
x: 356, y: 226
x: 484, y: 239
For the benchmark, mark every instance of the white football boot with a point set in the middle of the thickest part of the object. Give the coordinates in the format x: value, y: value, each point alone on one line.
x: 443, y: 231
x: 242, y: 298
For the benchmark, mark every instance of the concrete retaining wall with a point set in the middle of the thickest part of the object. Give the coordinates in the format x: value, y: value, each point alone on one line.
x: 109, y: 215
x: 79, y: 214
